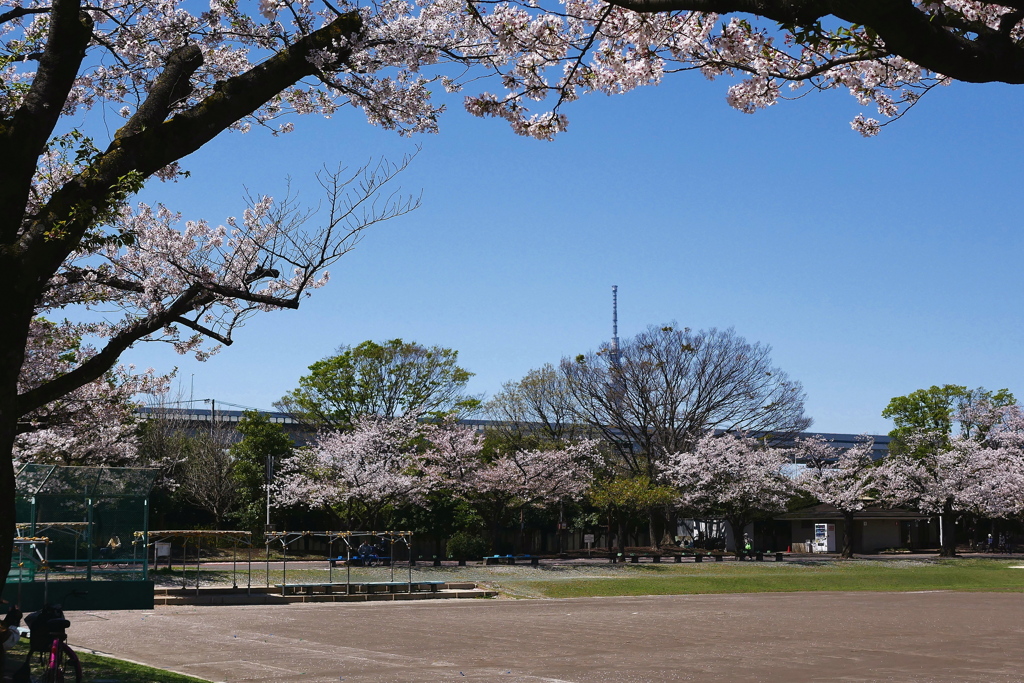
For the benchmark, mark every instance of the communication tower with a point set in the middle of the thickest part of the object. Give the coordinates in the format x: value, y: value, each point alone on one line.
x: 613, y: 348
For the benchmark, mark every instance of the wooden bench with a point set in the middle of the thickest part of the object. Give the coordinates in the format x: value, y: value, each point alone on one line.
x: 328, y: 588
x: 511, y: 559
x: 357, y: 561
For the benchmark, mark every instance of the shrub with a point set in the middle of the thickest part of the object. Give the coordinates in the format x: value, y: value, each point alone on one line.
x: 464, y: 546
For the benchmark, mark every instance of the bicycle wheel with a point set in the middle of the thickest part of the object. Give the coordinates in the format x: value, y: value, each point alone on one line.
x: 64, y: 667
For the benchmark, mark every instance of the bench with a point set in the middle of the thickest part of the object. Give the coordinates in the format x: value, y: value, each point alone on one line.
x: 329, y: 588
x: 357, y: 561
x: 635, y: 558
x: 511, y: 559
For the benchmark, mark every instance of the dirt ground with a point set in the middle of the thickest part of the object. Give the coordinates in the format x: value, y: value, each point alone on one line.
x: 796, y: 637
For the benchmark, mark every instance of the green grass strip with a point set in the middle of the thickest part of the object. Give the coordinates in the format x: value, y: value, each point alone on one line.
x: 108, y: 669
x: 956, y: 575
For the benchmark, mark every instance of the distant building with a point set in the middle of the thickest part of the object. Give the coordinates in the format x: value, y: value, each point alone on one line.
x: 874, y: 528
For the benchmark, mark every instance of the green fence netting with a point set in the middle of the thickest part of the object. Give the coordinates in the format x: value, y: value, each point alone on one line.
x: 91, y: 516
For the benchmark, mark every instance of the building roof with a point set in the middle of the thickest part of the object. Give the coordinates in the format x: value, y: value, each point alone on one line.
x: 303, y: 432
x: 826, y: 512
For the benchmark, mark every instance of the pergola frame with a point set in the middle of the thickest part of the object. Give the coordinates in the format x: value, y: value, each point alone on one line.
x: 151, y: 538
x: 286, y: 538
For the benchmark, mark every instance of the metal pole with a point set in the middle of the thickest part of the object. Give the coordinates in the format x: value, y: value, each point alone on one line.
x: 348, y: 567
x: 21, y: 569
x: 267, y: 543
x: 88, y: 539
x: 392, y: 551
x: 145, y: 540
x: 199, y: 548
x: 269, y: 477
x: 408, y: 544
x: 284, y: 563
x: 46, y: 572
x: 234, y: 562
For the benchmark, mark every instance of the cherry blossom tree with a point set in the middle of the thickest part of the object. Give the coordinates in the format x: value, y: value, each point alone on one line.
x: 840, y: 477
x: 732, y: 476
x: 179, y: 75
x: 93, y: 425
x: 513, y: 479
x: 355, y: 474
x: 950, y: 476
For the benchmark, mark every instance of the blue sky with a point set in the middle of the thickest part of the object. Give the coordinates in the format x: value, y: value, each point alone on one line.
x: 872, y: 267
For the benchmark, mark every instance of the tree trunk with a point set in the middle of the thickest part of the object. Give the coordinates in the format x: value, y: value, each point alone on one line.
x: 671, y: 524
x: 621, y: 540
x: 7, y: 508
x: 738, y: 524
x: 847, y: 552
x: 495, y: 532
x: 948, y: 531
x: 16, y: 312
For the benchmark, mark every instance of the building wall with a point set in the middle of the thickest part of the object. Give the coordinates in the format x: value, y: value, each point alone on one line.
x: 879, y: 534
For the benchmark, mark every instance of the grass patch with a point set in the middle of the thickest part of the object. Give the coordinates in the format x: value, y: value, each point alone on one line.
x: 751, y: 577
x: 107, y: 669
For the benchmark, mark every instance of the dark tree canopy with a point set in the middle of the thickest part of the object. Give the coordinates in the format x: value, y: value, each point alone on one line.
x: 671, y: 386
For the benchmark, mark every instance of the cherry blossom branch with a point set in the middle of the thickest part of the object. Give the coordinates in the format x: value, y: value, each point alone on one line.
x: 95, y: 366
x: 205, y: 331
x: 151, y: 148
x: 903, y: 27
x: 19, y: 12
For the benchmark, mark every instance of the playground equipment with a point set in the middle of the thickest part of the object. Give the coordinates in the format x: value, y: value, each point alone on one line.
x: 30, y: 559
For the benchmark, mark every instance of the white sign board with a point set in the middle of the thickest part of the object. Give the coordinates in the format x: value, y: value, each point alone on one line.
x: 588, y: 538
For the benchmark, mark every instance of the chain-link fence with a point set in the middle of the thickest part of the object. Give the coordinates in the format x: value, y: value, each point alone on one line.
x: 96, y: 519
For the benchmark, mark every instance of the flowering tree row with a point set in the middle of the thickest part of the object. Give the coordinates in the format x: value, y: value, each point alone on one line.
x: 736, y: 477
x: 358, y: 473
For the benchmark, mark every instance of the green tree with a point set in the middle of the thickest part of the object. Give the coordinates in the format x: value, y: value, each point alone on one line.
x: 440, y: 515
x: 388, y: 379
x: 260, y: 438
x: 624, y: 498
x: 943, y: 412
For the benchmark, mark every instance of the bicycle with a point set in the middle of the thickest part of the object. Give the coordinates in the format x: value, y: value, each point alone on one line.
x: 58, y: 664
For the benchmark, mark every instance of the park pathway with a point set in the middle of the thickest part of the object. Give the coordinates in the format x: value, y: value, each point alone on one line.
x: 793, y: 637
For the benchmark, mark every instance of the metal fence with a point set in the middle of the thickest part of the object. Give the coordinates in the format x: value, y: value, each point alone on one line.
x: 91, y: 516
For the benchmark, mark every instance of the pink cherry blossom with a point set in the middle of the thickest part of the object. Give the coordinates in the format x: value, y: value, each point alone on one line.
x: 731, y: 476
